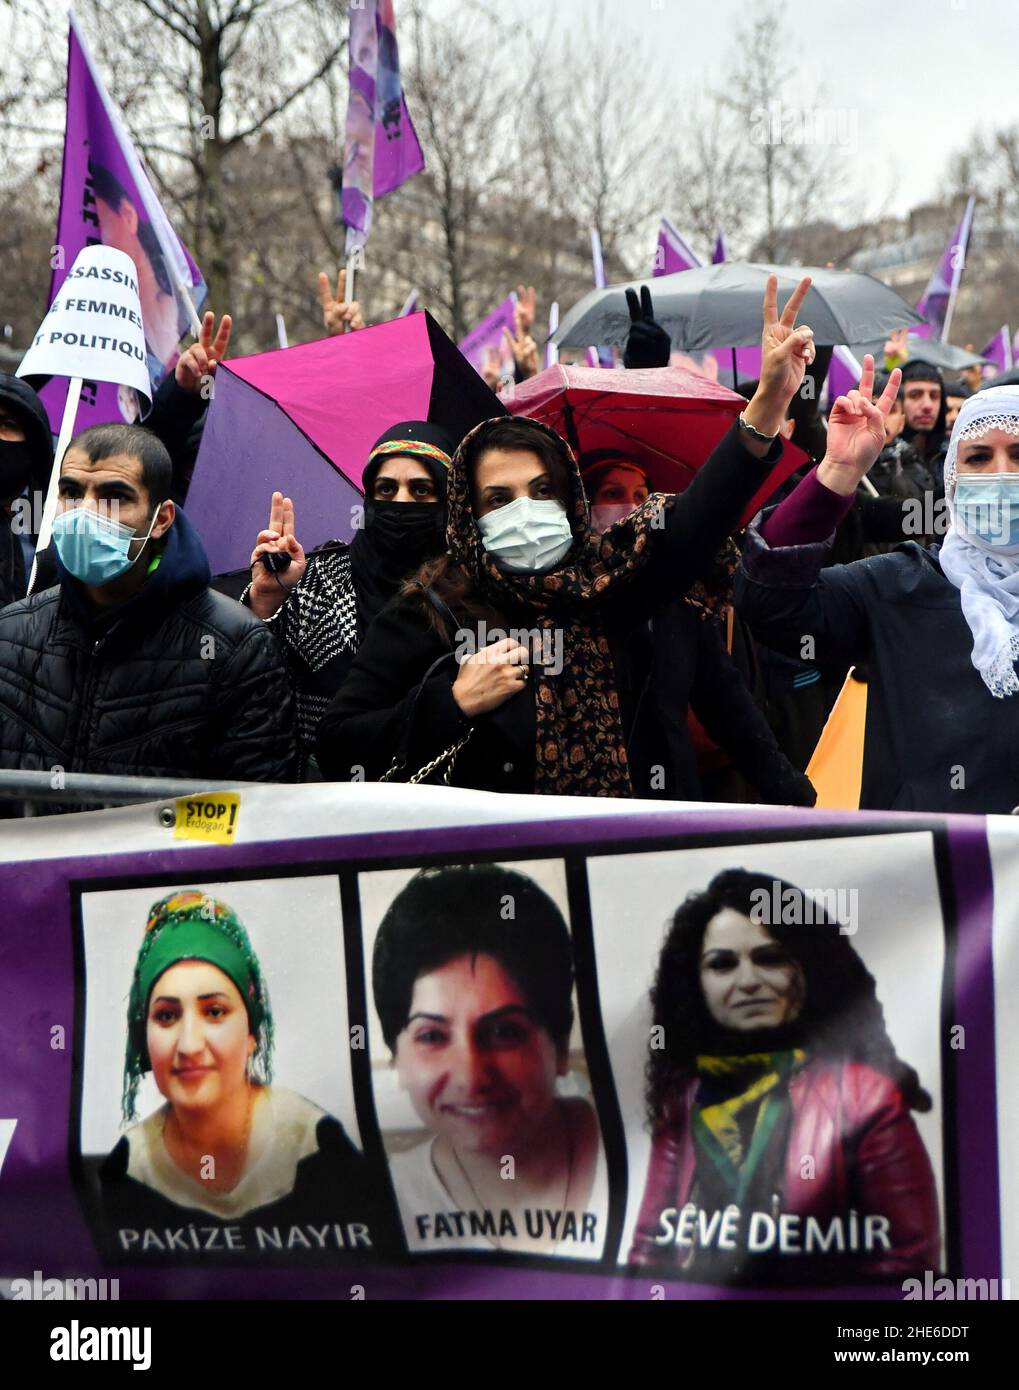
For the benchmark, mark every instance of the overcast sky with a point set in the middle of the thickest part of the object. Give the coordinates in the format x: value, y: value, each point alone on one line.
x: 919, y: 75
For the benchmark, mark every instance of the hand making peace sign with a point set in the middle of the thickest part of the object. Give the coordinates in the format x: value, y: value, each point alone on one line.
x: 337, y: 316
x: 268, y: 590
x: 201, y: 358
x: 856, y: 431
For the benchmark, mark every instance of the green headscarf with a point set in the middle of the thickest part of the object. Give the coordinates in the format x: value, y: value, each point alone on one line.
x: 189, y: 925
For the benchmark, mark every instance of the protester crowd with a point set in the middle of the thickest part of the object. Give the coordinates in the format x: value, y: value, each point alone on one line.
x: 645, y: 645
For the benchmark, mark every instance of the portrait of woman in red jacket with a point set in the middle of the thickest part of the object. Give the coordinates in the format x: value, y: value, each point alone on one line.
x: 783, y: 1145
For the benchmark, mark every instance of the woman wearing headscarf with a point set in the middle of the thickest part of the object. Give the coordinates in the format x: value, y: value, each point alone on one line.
x: 938, y: 625
x: 227, y: 1144
x: 443, y: 685
x: 770, y: 1045
x: 320, y: 605
x: 721, y: 745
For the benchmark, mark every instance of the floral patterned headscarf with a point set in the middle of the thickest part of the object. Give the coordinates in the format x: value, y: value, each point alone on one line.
x: 580, y: 748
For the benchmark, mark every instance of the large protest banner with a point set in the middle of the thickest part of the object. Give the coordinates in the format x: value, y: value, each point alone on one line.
x: 718, y: 1053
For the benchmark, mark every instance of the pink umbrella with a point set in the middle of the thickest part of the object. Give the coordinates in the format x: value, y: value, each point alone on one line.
x: 303, y: 420
x: 669, y: 418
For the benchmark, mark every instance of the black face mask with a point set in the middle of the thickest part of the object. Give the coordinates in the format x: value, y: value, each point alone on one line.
x: 411, y: 528
x: 15, y: 468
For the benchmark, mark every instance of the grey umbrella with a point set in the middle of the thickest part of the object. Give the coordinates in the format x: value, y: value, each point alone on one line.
x: 944, y: 355
x: 720, y: 306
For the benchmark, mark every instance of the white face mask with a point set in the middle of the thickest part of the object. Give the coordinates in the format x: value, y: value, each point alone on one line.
x: 526, y: 536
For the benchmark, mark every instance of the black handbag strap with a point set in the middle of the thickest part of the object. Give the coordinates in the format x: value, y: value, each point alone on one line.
x: 445, y: 613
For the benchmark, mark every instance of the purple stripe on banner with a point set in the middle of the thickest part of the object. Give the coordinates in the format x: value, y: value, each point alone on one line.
x: 975, y: 1117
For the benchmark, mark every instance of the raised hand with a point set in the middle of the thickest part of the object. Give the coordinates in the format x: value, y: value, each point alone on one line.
x: 647, y: 343
x: 199, y: 362
x: 856, y: 432
x: 269, y: 590
x: 338, y: 317
x: 897, y: 348
x: 491, y: 368
x: 786, y: 350
x: 524, y: 310
x: 524, y: 350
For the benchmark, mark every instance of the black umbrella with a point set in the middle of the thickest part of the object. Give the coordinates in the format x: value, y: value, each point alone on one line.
x: 1007, y: 378
x: 931, y: 350
x: 720, y: 306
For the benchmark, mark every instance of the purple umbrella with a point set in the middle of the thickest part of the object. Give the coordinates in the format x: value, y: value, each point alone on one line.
x: 302, y: 420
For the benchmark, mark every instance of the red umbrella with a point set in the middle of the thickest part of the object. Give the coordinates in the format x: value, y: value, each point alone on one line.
x: 668, y: 417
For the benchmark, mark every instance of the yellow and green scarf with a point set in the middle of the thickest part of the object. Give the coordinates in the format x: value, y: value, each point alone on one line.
x: 716, y: 1127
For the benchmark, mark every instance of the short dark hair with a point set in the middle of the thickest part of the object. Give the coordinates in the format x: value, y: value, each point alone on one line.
x: 521, y: 434
x: 959, y: 389
x: 916, y: 369
x: 103, y: 441
x: 460, y: 910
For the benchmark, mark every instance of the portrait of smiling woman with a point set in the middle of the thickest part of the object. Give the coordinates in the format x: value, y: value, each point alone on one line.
x: 783, y: 1145
x: 472, y: 975
x: 227, y: 1143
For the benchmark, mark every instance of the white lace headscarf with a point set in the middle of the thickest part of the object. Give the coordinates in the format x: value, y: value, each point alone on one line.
x: 987, y: 577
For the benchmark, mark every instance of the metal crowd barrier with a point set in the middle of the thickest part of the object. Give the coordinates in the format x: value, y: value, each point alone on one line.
x: 93, y: 789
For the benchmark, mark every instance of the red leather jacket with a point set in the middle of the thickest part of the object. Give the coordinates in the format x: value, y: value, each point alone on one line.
x: 867, y: 1157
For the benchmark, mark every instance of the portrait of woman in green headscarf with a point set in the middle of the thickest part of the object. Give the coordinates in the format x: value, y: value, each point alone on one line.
x: 227, y: 1143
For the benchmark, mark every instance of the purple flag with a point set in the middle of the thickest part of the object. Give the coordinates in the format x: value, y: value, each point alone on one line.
x: 672, y: 253
x: 843, y: 374
x: 106, y: 198
x: 381, y: 149
x: 721, y: 252
x: 410, y: 305
x: 938, y: 300
x: 488, y: 334
x: 999, y: 350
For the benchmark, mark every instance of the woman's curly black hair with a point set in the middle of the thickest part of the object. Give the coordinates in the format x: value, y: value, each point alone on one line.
x: 841, y: 1016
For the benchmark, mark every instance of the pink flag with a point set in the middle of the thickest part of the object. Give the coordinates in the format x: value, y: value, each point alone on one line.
x: 381, y: 150
x: 106, y: 198
x: 937, y: 302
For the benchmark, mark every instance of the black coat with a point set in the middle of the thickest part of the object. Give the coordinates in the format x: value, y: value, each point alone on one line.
x: 936, y: 738
x: 178, y: 682
x: 19, y: 398
x: 397, y: 699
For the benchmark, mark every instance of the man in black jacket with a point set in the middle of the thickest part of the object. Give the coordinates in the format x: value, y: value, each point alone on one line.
x: 26, y: 457
x: 131, y: 664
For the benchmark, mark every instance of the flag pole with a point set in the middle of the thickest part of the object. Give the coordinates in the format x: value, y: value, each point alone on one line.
x: 967, y: 223
x: 50, y: 505
x: 348, y: 293
x: 185, y: 294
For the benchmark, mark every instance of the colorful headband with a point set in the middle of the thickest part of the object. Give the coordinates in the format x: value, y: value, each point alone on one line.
x: 417, y: 447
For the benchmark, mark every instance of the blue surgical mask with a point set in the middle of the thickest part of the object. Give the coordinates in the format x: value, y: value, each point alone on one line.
x: 94, y: 548
x: 526, y: 536
x: 986, y: 509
